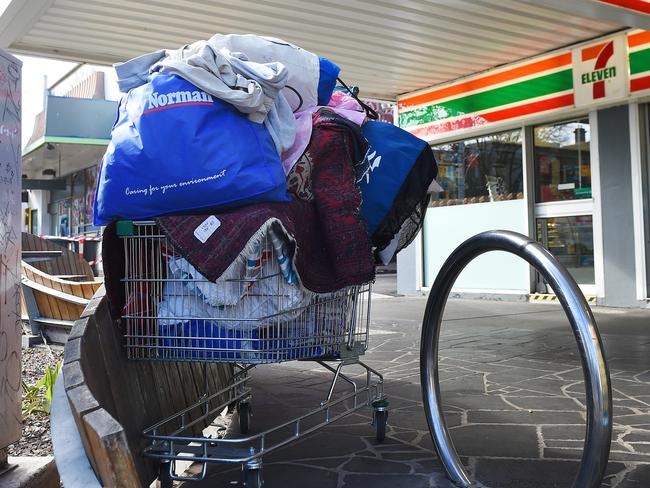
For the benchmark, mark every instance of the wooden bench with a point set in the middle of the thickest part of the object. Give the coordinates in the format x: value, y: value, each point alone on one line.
x: 113, y: 399
x: 53, y: 259
x: 57, y: 285
x: 52, y: 304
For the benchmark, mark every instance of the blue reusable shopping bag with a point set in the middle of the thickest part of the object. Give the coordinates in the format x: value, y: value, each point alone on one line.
x: 393, y: 178
x: 175, y: 148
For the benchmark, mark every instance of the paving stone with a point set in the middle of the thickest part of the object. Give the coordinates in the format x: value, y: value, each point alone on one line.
x: 412, y: 456
x: 640, y: 474
x: 416, y: 419
x: 637, y: 390
x: 324, y: 462
x: 641, y: 448
x: 388, y: 481
x: 563, y: 443
x: 409, y: 437
x: 428, y: 466
x: 373, y: 465
x: 625, y: 456
x: 635, y: 420
x: 638, y: 436
x: 283, y: 475
x: 514, y: 376
x: 463, y: 384
x: 544, y: 403
x: 525, y: 474
x: 543, y: 364
x: 323, y: 444
x: 528, y: 361
x: 524, y: 417
x: 496, y: 440
x: 566, y: 432
x: 476, y: 402
x: 398, y: 442
x: 562, y: 453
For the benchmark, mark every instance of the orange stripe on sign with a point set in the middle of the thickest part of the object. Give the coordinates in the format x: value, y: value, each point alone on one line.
x: 496, y: 116
x: 592, y: 51
x: 638, y: 5
x: 639, y: 84
x: 511, y: 74
x: 638, y: 39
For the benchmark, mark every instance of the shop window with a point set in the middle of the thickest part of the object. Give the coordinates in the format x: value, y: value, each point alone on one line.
x: 571, y: 241
x: 78, y: 183
x: 484, y: 169
x: 562, y: 164
x: 91, y: 183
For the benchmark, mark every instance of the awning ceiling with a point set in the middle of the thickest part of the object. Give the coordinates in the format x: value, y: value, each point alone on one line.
x: 72, y: 135
x: 387, y: 48
x: 63, y: 155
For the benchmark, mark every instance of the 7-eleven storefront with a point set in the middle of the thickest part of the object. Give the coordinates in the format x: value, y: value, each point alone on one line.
x: 555, y: 147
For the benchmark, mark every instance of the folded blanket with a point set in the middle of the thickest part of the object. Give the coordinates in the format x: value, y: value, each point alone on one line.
x: 265, y: 300
x: 318, y: 269
x: 267, y: 256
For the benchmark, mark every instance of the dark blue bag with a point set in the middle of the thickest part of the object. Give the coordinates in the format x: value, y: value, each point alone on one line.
x: 175, y: 148
x: 393, y: 178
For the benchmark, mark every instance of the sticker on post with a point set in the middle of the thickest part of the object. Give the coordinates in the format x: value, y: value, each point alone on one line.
x: 207, y: 228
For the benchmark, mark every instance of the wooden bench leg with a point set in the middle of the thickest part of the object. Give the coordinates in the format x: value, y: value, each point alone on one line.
x: 32, y: 310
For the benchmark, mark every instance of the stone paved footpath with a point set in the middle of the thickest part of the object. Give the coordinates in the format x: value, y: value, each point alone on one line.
x: 513, y: 393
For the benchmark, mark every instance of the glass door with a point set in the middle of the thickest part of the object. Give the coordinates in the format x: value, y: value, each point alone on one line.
x: 563, y: 198
x: 571, y: 241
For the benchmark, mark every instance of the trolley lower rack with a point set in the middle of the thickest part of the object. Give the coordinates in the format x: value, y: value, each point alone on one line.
x: 175, y: 445
x: 256, y: 313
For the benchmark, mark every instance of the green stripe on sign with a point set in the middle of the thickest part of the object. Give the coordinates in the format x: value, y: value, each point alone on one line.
x: 517, y: 92
x: 639, y: 61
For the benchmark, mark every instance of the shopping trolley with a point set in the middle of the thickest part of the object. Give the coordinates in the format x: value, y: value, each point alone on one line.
x: 257, y: 314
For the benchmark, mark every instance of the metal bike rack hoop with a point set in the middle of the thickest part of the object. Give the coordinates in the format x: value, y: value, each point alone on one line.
x: 597, y: 383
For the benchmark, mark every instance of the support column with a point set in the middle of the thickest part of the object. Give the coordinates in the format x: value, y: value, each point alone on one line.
x: 409, y: 268
x: 10, y: 191
x: 616, y: 206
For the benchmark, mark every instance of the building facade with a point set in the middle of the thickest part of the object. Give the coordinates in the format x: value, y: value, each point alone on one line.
x: 61, y: 158
x: 554, y: 147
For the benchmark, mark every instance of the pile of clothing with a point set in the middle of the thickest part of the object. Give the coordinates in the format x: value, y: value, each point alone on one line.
x: 244, y: 150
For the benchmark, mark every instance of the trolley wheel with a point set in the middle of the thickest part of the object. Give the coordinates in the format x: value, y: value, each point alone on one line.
x: 244, y: 411
x: 253, y: 478
x: 381, y: 419
x: 163, y: 475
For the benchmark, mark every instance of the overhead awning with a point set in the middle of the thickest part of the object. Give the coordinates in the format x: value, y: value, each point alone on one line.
x: 70, y: 135
x: 387, y: 48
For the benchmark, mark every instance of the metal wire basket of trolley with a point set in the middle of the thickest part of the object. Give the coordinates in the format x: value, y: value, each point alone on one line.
x: 260, y: 315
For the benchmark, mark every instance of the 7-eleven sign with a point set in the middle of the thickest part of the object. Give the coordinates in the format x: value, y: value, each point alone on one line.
x: 600, y: 71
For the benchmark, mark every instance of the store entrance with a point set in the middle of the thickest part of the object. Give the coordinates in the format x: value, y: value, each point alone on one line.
x: 563, y: 199
x: 570, y: 240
